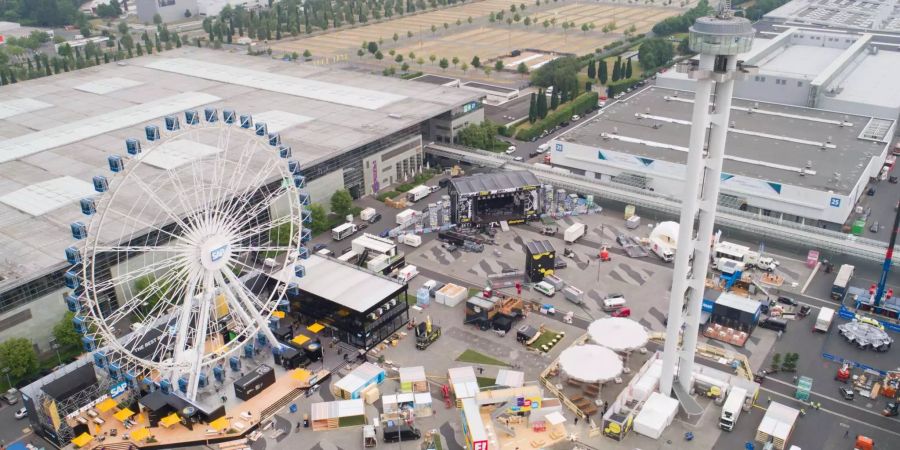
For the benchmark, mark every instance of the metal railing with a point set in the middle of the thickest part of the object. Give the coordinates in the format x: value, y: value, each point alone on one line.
x: 790, y: 232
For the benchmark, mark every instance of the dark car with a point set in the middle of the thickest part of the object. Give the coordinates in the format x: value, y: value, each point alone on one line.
x: 385, y: 233
x: 787, y: 301
x: 375, y: 218
x: 621, y: 239
x: 847, y: 393
x: 363, y: 226
x: 346, y: 250
x: 444, y: 182
x: 871, y: 191
x: 449, y: 247
x: 402, y: 432
x: 318, y: 247
x: 774, y: 324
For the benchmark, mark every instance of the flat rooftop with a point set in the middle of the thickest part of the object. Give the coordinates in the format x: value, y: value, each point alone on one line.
x: 56, y: 132
x: 881, y: 15
x: 794, y: 61
x: 435, y: 79
x: 346, y: 285
x: 494, y: 182
x: 774, y: 143
x: 489, y: 87
x: 871, y: 79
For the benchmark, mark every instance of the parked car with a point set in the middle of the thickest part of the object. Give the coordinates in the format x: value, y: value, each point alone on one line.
x: 575, y: 118
x: 847, y: 393
x: 518, y: 158
x: 511, y: 149
x: 318, y: 247
x: 788, y: 301
x: 874, y: 227
x: 449, y: 247
x: 871, y: 191
x: 21, y: 413
x: 375, y: 218
x: 621, y: 239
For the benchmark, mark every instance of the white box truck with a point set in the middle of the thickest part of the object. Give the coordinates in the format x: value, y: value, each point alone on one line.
x: 732, y: 408
x: 412, y: 240
x: 662, y: 250
x: 407, y: 273
x: 824, y: 319
x: 367, y: 214
x: 574, y: 232
x: 342, y: 231
x: 418, y: 193
x: 406, y: 217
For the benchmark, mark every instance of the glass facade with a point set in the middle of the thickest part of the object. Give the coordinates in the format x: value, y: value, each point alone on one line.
x: 360, y: 329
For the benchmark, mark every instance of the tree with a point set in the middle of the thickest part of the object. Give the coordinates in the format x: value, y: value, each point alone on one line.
x: 378, y: 55
x: 123, y: 27
x: 64, y: 332
x: 372, y: 47
x: 628, y: 69
x: 522, y: 69
x: 319, y: 218
x: 19, y: 356
x: 464, y: 67
x: 487, y: 71
x: 157, y: 19
x: 395, y: 37
x: 498, y: 66
x: 541, y: 104
x: 341, y: 202
x: 684, y: 46
x: 420, y: 61
x: 476, y: 62
x: 527, y: 21
x: 615, y: 71
x: 591, y: 70
x: 399, y: 59
x: 431, y: 58
x: 455, y: 61
x: 655, y: 52
x: 532, y: 108
x: 360, y: 53
x: 433, y: 28
x: 409, y: 34
x: 602, y: 71
x: 444, y: 64
x: 554, y: 98
x: 307, y: 53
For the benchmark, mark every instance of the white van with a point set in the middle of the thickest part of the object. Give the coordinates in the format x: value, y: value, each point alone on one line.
x: 545, y: 288
x: 613, y: 303
x: 543, y: 148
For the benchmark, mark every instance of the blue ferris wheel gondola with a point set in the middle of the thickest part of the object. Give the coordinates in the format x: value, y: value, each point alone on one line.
x: 304, y: 198
x: 303, y: 253
x: 246, y: 121
x: 165, y: 386
x: 100, y: 359
x: 228, y: 116
x: 73, y: 303
x: 294, y: 167
x: 172, y: 123
x: 211, y: 114
x: 299, y: 181
x: 88, y: 344
x: 284, y: 151
x: 72, y: 280
x: 114, y: 371
x: 116, y: 164
x: 299, y: 270
x: 274, y: 139
x: 79, y: 325
x: 261, y: 129
x: 88, y: 206
x: 79, y: 230
x: 293, y: 289
x: 132, y: 146
x: 191, y: 117
x: 152, y: 132
x: 262, y: 340
x: 248, y: 350
x: 182, y: 384
x: 283, y: 305
x: 235, y: 363
x: 73, y: 255
x: 202, y: 380
x: 306, y: 216
x: 219, y: 373
x: 101, y: 184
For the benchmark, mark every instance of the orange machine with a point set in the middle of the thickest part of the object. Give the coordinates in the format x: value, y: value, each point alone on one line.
x: 843, y: 373
x: 864, y: 443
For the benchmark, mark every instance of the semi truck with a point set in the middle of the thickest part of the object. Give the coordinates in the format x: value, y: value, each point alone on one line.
x: 824, y: 319
x: 732, y: 408
x: 574, y: 232
x: 743, y: 254
x: 841, y: 281
x: 342, y: 231
x: 418, y: 193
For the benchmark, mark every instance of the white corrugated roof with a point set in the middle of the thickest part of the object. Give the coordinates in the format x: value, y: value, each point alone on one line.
x: 41, y: 198
x: 176, y: 153
x: 300, y: 87
x: 107, y: 85
x: 277, y: 121
x: 29, y: 144
x: 18, y: 106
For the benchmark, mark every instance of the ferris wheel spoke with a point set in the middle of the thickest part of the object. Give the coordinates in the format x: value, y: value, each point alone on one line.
x: 132, y: 276
x: 249, y: 299
x: 181, y: 192
x: 264, y: 228
x: 140, y: 249
x: 160, y: 203
x: 162, y: 286
x: 183, y: 321
x: 253, y: 213
x: 199, y: 341
x: 157, y: 228
x: 235, y: 305
x: 242, y: 200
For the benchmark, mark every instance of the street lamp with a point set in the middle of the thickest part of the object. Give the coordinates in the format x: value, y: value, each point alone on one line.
x: 55, y: 348
x: 5, y: 371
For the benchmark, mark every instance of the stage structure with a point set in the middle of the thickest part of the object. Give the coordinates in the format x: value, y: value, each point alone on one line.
x: 478, y: 200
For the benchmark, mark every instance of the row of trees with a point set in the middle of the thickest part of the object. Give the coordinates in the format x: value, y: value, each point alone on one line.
x: 539, y: 108
x: 20, y: 357
x: 21, y: 60
x: 655, y: 52
x: 620, y: 71
x: 681, y: 23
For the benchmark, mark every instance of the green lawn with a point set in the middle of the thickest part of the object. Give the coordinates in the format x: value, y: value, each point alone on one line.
x: 471, y: 356
x: 484, y: 382
x: 545, y: 338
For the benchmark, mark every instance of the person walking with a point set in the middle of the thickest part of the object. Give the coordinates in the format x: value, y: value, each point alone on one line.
x: 846, y: 433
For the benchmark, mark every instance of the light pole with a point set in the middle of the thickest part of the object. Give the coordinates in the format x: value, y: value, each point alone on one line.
x: 55, y: 348
x: 6, y: 372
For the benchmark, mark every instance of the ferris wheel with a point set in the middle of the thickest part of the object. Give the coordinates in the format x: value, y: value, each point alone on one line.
x: 177, y: 247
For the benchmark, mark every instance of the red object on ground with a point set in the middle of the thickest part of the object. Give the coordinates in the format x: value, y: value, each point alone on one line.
x: 445, y: 391
x: 518, y: 288
x: 604, y: 254
x: 621, y: 312
x: 547, y: 158
x: 843, y: 374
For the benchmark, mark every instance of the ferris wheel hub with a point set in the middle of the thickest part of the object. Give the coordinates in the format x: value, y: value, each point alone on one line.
x: 215, y: 252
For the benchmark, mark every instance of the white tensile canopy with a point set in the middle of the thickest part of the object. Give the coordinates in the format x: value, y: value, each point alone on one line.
x: 590, y: 363
x: 618, y: 334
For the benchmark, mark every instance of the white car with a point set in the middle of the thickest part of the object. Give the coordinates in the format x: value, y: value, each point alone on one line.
x: 21, y: 413
x: 575, y: 118
x: 511, y: 149
x: 518, y: 158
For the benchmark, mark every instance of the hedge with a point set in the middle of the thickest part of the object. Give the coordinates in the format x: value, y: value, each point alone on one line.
x: 584, y: 103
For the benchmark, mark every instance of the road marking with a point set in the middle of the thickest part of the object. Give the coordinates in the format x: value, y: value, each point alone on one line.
x: 811, y: 276
x: 836, y: 400
x: 861, y: 422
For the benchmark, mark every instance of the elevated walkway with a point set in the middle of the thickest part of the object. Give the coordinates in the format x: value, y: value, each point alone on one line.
x: 788, y: 232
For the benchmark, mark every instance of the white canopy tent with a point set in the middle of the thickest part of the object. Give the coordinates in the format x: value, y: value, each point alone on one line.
x: 618, y: 334
x: 590, y: 363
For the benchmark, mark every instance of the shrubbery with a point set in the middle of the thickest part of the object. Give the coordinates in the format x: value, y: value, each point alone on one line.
x: 584, y: 103
x: 681, y: 24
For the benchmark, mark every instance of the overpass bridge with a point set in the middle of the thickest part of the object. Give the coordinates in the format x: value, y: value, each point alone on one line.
x: 789, y: 232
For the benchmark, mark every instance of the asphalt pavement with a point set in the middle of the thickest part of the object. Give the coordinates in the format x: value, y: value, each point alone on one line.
x: 12, y: 429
